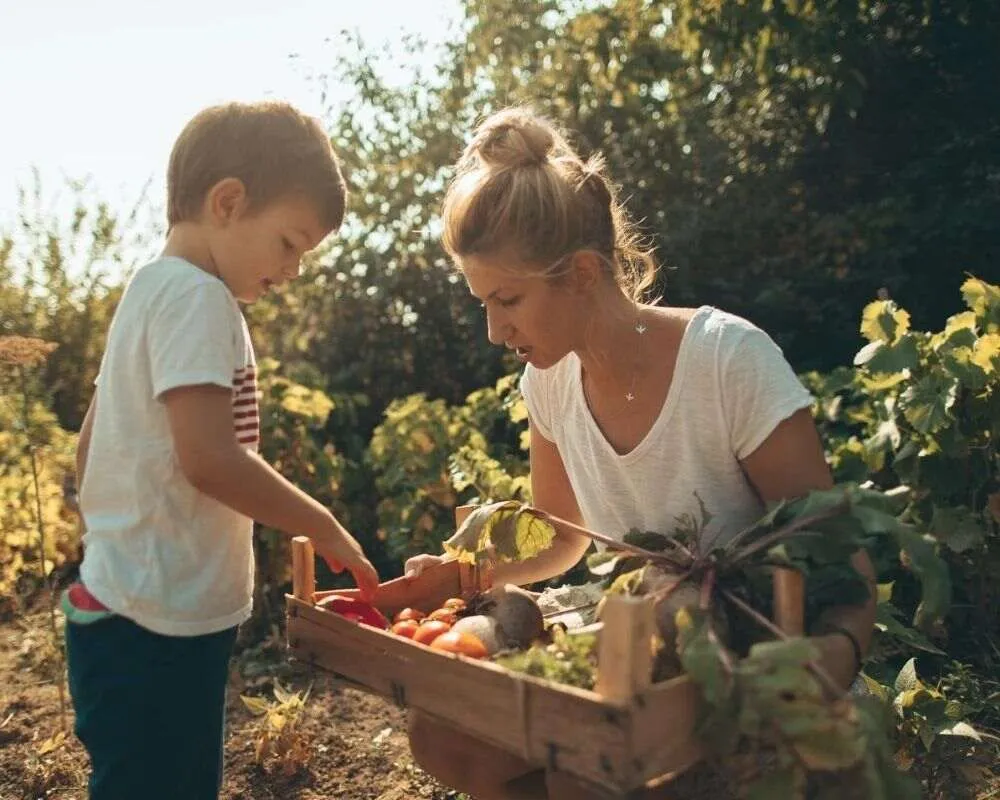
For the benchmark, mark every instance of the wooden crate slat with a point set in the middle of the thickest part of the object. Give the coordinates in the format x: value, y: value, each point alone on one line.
x: 563, y: 726
x: 638, y: 733
x: 663, y: 723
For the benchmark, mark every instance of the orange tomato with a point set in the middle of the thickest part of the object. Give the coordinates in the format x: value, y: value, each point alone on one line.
x: 456, y: 603
x: 430, y: 630
x: 406, y: 627
x: 460, y: 642
x: 409, y: 613
x: 443, y: 614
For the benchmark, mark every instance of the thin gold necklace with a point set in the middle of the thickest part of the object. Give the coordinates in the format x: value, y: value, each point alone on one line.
x: 640, y: 328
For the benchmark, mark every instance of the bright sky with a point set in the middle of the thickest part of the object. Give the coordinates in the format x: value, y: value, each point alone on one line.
x: 100, y: 88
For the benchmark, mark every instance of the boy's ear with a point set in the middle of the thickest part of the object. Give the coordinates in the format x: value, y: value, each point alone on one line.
x: 226, y: 200
x: 586, y: 269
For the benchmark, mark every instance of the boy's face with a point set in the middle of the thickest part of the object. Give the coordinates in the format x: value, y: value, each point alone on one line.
x: 253, y: 251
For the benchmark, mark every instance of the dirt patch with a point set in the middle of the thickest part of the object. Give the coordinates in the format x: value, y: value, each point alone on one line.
x: 355, y: 743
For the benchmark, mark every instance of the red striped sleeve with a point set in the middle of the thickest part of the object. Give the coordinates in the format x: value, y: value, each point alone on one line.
x: 246, y: 413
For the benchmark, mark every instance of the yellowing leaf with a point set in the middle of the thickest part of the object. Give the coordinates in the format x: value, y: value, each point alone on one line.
x: 255, y: 704
x: 883, y: 321
x: 422, y: 441
x: 52, y: 743
x: 960, y: 327
x: 980, y: 296
x: 883, y: 382
x: 305, y: 402
x: 518, y: 411
x: 277, y: 720
x: 986, y: 353
x: 509, y: 531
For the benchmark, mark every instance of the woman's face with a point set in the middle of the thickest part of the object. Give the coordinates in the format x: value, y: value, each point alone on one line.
x: 540, y: 319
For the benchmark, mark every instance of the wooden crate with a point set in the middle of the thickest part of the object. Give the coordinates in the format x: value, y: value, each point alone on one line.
x: 625, y: 733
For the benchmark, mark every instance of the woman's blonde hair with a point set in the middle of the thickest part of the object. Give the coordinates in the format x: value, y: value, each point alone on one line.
x: 520, y: 190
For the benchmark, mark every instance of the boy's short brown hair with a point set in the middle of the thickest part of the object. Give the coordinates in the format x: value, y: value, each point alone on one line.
x: 271, y: 146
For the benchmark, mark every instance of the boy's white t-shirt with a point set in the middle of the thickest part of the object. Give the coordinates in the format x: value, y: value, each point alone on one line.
x: 731, y: 387
x: 157, y: 550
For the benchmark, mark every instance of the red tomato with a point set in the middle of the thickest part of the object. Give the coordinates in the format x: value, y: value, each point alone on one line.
x: 409, y: 613
x: 443, y: 614
x: 460, y: 642
x: 429, y: 631
x: 356, y: 610
x: 406, y: 627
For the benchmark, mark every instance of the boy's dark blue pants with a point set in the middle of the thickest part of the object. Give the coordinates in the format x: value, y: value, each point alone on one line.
x: 150, y: 709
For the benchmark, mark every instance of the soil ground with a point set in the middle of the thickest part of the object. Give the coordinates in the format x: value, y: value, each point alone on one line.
x: 351, y: 745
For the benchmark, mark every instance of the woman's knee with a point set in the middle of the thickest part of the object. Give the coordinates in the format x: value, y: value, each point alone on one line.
x: 462, y: 761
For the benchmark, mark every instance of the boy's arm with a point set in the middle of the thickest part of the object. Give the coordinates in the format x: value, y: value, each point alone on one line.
x: 201, y: 422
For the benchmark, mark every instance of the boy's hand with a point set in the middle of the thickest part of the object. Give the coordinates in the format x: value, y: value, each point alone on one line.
x: 341, y: 551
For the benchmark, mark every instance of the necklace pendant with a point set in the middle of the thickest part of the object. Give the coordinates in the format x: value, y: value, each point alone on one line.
x: 629, y: 396
x: 640, y: 328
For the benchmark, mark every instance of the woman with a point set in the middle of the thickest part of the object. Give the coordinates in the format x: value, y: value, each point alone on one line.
x: 638, y: 413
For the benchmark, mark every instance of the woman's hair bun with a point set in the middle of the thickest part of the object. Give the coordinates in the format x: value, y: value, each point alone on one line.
x: 514, y: 138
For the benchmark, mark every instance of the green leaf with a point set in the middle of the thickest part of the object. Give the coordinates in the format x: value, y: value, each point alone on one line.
x: 920, y: 555
x: 883, y: 780
x: 883, y: 442
x: 701, y: 654
x: 893, y: 358
x: 789, y: 783
x: 827, y: 736
x: 957, y: 527
x: 926, y: 404
x: 648, y: 540
x: 886, y: 622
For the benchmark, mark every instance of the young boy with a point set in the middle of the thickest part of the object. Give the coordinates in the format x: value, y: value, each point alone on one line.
x: 170, y: 477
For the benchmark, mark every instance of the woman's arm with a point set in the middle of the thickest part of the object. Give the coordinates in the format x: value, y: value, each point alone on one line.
x: 788, y: 464
x: 551, y: 492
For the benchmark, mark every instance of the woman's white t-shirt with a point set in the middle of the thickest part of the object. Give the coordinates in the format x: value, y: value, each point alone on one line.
x: 730, y: 389
x: 156, y: 549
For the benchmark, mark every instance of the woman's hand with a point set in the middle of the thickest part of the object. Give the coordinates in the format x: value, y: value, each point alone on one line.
x: 414, y: 566
x: 837, y: 658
